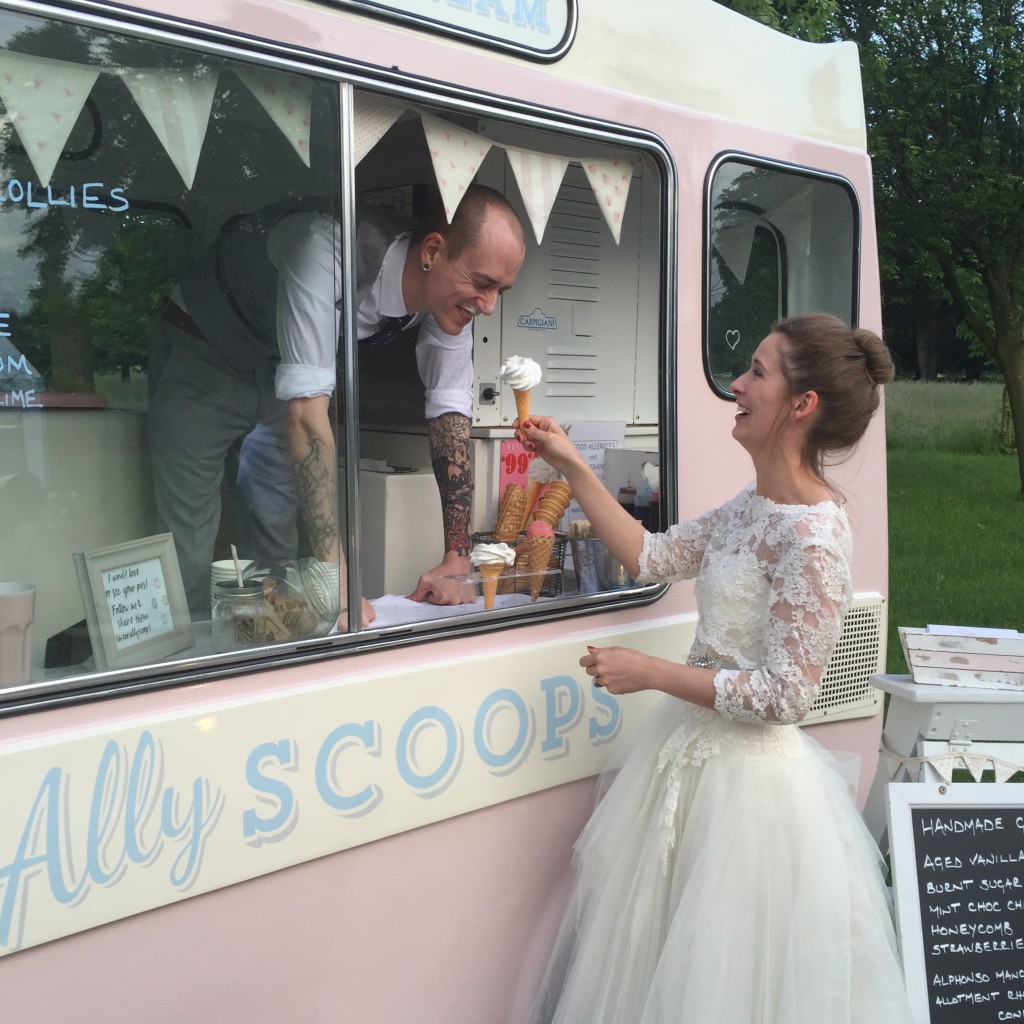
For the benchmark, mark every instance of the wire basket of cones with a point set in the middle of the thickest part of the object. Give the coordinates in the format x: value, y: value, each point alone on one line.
x: 513, y: 580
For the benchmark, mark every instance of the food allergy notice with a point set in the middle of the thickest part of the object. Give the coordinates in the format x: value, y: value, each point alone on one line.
x: 963, y: 942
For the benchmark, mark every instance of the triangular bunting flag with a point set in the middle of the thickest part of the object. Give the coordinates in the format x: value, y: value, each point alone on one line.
x: 793, y: 219
x: 374, y: 116
x: 913, y: 769
x: 1004, y: 770
x: 944, y: 766
x: 177, y: 106
x: 892, y: 764
x: 288, y: 99
x: 43, y: 98
x: 457, y: 155
x: 975, y: 765
x: 610, y: 180
x: 734, y: 245
x: 539, y: 178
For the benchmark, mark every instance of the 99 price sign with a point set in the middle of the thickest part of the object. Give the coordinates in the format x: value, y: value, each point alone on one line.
x: 515, y: 464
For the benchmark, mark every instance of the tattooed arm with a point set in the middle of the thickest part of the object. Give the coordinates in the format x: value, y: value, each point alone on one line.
x: 315, y: 465
x: 449, y: 455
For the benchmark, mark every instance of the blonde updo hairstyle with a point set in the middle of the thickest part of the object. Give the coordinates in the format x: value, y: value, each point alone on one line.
x: 845, y: 367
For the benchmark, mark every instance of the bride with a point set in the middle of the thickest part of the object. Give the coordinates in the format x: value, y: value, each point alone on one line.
x: 726, y: 877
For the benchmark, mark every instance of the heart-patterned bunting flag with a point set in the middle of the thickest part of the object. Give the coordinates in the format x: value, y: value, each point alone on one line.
x: 457, y: 156
x: 43, y: 99
x: 610, y: 179
x: 288, y: 99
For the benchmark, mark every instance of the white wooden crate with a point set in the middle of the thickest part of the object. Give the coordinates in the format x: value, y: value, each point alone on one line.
x: 995, y: 663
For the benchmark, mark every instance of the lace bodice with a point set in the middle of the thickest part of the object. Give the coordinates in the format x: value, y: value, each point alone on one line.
x: 773, y: 584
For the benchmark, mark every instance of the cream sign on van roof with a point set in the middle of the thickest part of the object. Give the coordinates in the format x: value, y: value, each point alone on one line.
x: 541, y: 28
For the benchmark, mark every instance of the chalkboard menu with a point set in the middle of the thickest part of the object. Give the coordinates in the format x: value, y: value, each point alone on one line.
x: 958, y: 875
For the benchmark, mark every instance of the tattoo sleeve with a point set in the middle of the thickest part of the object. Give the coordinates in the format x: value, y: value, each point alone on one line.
x: 315, y: 485
x: 449, y: 455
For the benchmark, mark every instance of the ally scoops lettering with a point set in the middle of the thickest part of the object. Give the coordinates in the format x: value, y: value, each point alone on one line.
x: 133, y: 821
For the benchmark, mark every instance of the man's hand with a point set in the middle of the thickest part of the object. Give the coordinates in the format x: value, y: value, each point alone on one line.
x: 367, y: 614
x: 435, y: 589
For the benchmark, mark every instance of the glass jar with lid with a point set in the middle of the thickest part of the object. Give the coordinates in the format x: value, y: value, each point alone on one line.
x: 239, y: 615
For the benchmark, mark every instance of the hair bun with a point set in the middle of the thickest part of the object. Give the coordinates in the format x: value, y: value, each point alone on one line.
x: 877, y: 360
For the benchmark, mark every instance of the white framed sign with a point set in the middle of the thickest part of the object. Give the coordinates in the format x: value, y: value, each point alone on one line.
x: 957, y: 855
x: 542, y: 29
x: 134, y: 600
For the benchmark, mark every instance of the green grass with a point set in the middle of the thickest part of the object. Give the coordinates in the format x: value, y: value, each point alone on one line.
x: 943, y: 417
x: 956, y: 526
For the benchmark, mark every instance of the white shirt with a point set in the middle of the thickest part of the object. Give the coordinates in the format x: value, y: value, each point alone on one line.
x: 306, y: 251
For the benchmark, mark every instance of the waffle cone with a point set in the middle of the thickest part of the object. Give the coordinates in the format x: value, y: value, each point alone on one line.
x: 522, y: 405
x: 532, y: 490
x: 538, y: 557
x: 510, y: 515
x: 489, y: 577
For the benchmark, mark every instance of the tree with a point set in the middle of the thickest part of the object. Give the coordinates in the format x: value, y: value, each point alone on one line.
x: 811, y: 20
x: 944, y: 91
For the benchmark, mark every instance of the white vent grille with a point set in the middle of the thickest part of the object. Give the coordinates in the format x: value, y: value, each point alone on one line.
x: 846, y: 690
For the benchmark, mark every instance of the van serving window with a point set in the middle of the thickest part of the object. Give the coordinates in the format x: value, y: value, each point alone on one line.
x: 207, y: 467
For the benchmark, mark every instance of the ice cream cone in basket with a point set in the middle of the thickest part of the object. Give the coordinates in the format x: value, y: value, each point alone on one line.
x: 489, y: 578
x: 553, y: 505
x: 538, y: 558
x: 510, y: 514
x: 532, y: 490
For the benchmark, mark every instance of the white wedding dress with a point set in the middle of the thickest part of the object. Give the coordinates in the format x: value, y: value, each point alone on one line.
x: 726, y: 876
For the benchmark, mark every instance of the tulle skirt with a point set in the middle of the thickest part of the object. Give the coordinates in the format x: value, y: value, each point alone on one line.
x: 726, y: 877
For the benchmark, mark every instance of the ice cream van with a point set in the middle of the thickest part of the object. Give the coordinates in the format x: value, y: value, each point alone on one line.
x: 376, y: 824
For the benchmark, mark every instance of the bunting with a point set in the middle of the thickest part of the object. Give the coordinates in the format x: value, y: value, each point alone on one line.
x: 610, y: 180
x: 177, y: 106
x: 734, y: 245
x: 456, y: 155
x: 539, y: 178
x: 288, y: 99
x: 374, y: 116
x: 946, y: 764
x: 43, y: 99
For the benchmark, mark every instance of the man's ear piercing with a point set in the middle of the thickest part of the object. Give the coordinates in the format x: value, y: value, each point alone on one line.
x: 426, y: 265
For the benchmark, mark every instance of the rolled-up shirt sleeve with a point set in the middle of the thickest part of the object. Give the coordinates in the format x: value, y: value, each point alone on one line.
x: 303, y: 247
x: 445, y: 363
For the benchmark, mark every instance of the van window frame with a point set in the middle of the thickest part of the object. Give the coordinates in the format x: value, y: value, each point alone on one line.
x: 797, y: 170
x: 349, y: 76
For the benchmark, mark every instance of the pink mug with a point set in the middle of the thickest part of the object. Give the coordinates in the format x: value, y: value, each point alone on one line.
x: 17, y: 609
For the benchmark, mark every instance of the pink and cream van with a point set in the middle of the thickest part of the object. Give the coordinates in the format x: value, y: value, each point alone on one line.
x: 375, y: 824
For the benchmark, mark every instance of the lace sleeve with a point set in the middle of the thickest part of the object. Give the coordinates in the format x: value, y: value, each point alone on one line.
x: 810, y: 593
x: 676, y: 554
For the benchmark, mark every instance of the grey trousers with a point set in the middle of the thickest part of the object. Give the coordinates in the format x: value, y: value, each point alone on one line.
x: 198, y: 408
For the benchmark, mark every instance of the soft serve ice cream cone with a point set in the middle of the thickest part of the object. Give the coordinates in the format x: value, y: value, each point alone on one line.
x: 521, y: 374
x: 490, y: 560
